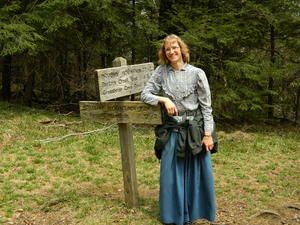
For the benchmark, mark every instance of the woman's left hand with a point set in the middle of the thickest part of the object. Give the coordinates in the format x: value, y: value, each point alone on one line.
x: 208, y: 143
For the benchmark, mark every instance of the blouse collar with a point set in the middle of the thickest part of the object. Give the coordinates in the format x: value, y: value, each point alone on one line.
x: 170, y: 68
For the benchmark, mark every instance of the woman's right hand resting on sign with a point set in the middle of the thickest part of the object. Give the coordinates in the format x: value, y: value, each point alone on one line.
x: 169, y: 105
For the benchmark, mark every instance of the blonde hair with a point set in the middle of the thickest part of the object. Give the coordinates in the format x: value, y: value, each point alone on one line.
x: 163, y: 60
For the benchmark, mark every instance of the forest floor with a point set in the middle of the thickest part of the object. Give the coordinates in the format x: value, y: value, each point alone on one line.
x: 78, y: 180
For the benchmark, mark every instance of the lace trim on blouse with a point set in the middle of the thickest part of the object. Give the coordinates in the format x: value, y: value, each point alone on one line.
x: 178, y: 85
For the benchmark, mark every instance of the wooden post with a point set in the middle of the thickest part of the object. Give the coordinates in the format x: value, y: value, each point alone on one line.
x: 119, y: 83
x: 127, y: 154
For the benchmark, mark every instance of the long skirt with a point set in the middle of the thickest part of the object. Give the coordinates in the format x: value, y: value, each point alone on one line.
x: 186, y: 186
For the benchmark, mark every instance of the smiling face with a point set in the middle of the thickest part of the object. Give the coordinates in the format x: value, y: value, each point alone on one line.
x: 173, y: 52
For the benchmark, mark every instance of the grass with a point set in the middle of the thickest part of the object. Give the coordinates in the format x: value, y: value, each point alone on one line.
x: 79, y: 180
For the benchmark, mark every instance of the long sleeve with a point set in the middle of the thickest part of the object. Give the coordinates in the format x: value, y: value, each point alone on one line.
x: 187, y: 88
x: 204, y: 98
x: 150, y: 93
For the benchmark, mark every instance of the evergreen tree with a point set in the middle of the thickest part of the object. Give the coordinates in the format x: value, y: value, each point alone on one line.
x: 249, y: 49
x: 235, y: 42
x: 16, y: 37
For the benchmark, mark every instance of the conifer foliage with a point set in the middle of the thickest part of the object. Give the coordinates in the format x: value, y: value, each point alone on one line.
x: 249, y: 49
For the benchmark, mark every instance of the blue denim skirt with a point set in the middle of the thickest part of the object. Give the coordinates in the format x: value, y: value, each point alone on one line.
x: 186, y: 186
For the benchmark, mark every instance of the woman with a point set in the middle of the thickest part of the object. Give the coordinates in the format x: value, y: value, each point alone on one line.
x: 186, y: 179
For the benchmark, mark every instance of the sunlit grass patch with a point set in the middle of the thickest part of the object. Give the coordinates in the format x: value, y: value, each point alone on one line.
x: 79, y: 179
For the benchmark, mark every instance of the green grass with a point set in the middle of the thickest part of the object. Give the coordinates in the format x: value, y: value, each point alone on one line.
x: 78, y: 180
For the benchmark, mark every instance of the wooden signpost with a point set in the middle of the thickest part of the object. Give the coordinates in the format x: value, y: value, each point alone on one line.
x: 120, y: 112
x: 123, y: 80
x: 117, y: 82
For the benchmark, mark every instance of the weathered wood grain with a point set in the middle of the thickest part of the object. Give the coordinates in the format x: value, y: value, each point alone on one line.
x: 127, y: 154
x: 124, y: 80
x: 118, y: 83
x: 128, y: 165
x: 135, y: 112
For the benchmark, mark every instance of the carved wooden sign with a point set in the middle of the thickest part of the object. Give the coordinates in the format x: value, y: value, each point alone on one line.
x: 120, y: 112
x: 118, y: 82
x: 121, y: 81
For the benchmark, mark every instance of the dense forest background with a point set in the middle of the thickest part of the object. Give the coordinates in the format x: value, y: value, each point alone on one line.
x: 249, y: 49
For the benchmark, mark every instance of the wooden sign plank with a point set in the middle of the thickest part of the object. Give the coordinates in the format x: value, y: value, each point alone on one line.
x: 120, y: 112
x: 121, y: 81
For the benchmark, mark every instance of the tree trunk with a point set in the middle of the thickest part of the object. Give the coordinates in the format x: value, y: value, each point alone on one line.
x: 133, y: 41
x: 64, y: 75
x: 165, y: 24
x: 150, y: 49
x: 271, y: 80
x: 84, y: 65
x: 297, y: 106
x: 133, y: 30
x: 6, y: 77
x: 108, y: 55
x: 29, y: 86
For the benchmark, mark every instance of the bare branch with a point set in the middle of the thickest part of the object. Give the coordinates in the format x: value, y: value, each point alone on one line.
x: 75, y: 134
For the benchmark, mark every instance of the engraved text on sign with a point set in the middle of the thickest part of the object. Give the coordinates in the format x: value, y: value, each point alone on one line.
x: 124, y: 80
